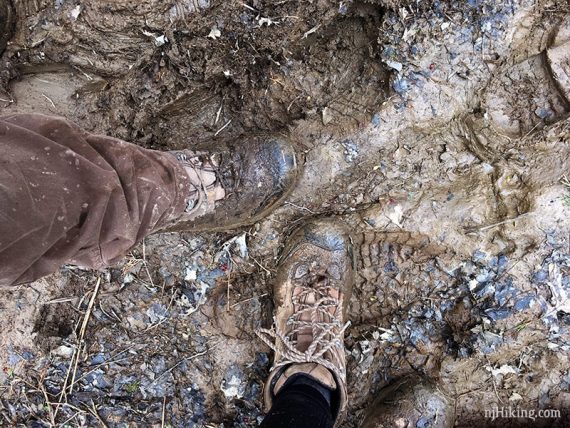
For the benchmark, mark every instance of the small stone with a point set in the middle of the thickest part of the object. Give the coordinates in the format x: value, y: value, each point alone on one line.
x: 327, y: 116
x: 157, y: 312
x: 233, y: 384
x: 74, y: 14
x: 351, y: 150
x: 190, y: 274
x: 497, y: 314
x: 395, y: 65
x: 523, y: 303
x: 376, y: 120
x: 214, y: 33
x: 63, y: 351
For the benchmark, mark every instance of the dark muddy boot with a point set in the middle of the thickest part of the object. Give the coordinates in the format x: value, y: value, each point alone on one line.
x: 238, y: 185
x: 410, y: 403
x: 6, y: 23
x: 311, y: 294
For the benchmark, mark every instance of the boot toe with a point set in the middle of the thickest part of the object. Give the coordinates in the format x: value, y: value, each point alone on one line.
x: 256, y: 175
x: 269, y: 175
x: 327, y: 234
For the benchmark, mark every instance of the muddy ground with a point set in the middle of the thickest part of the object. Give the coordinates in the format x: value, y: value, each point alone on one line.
x: 438, y: 131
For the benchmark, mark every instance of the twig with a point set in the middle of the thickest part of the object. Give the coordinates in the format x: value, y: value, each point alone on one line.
x: 291, y: 103
x: 247, y: 300
x: 223, y: 127
x: 63, y: 393
x: 300, y: 207
x: 82, y: 72
x: 82, y: 332
x: 98, y: 366
x: 71, y: 406
x: 219, y: 112
x: 92, y: 411
x: 110, y: 316
x: 96, y: 414
x: 105, y: 363
x: 228, y: 291
x: 61, y: 300
x: 146, y: 264
x: 163, y: 411
x: 495, y: 388
x: 49, y: 99
x: 89, y: 309
x: 75, y: 368
x: 64, y: 423
x: 191, y: 357
x: 261, y: 266
x: 311, y: 31
x: 249, y: 7
x: 529, y: 132
x: 481, y: 229
x: 48, y: 403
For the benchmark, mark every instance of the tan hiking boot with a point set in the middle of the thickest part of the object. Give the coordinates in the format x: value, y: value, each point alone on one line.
x: 6, y: 21
x: 311, y: 295
x: 410, y: 402
x: 238, y: 185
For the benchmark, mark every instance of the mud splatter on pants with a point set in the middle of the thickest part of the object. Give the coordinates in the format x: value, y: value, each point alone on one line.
x: 67, y: 196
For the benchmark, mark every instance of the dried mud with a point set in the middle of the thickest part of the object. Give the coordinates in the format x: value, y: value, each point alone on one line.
x: 439, y: 133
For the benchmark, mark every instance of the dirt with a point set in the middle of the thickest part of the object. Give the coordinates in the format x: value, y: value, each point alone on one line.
x: 439, y: 132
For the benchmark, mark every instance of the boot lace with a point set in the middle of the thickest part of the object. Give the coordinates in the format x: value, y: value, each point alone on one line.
x: 327, y: 330
x: 200, y: 192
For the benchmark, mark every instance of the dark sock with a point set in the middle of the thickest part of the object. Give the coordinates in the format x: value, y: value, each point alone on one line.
x: 300, y: 405
x: 303, y: 379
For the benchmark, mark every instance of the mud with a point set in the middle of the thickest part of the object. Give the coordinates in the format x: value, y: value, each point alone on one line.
x: 439, y: 132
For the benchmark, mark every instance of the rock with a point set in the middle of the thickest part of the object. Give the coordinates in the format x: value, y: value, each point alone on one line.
x: 157, y: 312
x: 63, y: 351
x: 233, y: 384
x: 350, y: 150
x: 327, y: 116
x: 136, y: 321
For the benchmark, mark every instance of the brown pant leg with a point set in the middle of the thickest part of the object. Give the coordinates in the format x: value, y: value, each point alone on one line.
x: 67, y: 196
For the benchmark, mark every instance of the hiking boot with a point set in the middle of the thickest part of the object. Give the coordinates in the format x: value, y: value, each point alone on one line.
x: 410, y: 402
x: 238, y: 185
x: 6, y: 21
x: 311, y: 294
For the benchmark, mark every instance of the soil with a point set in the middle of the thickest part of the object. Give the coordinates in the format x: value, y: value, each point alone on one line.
x: 438, y: 132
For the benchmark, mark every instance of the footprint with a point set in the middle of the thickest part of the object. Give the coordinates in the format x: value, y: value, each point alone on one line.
x: 558, y: 56
x: 534, y: 92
